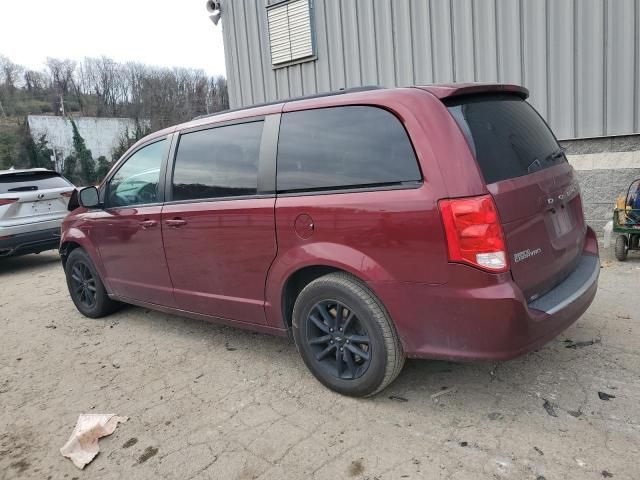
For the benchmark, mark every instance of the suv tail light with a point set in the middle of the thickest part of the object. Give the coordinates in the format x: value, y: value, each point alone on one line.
x: 7, y: 201
x: 474, y: 233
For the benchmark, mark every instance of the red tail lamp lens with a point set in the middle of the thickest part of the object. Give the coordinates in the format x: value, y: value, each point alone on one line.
x: 474, y: 233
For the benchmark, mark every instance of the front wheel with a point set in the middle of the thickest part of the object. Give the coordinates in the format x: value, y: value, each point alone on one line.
x: 85, y: 286
x: 345, y: 336
x: 622, y: 248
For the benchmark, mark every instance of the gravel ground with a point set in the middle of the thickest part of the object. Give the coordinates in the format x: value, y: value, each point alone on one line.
x: 206, y: 401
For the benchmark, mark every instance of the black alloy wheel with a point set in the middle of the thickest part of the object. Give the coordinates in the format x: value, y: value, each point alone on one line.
x: 83, y: 284
x: 338, y: 340
x: 346, y: 336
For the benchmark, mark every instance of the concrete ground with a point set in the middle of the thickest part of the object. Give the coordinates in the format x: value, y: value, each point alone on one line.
x: 212, y: 402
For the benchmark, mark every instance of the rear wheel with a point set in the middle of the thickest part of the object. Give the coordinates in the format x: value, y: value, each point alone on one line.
x: 345, y: 336
x: 85, y: 286
x: 622, y: 248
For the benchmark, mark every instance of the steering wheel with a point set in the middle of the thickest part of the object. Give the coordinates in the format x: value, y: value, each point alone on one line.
x: 148, y: 193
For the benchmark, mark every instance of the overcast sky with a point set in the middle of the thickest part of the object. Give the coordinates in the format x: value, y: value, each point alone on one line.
x: 156, y: 32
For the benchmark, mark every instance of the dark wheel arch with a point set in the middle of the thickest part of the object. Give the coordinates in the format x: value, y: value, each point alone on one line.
x: 65, y: 250
x: 294, y: 285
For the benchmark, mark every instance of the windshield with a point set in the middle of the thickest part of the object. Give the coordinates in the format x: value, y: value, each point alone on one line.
x: 507, y: 136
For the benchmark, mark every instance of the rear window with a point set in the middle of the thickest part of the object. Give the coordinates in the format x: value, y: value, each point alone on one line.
x: 342, y: 147
x: 31, y: 181
x: 508, y: 137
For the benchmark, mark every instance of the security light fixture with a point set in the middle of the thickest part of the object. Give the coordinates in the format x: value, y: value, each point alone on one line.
x: 215, y: 10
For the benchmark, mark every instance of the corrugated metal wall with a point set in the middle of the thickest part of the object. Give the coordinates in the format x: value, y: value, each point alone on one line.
x: 579, y: 58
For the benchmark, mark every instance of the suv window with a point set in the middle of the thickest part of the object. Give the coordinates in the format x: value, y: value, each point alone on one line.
x: 343, y: 147
x: 136, y: 181
x: 31, y: 181
x: 508, y: 137
x: 218, y: 162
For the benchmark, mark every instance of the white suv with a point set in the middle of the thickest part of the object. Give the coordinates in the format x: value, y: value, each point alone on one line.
x: 33, y: 203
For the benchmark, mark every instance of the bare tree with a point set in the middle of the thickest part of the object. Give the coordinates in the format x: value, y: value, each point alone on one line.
x: 102, y: 87
x: 10, y: 72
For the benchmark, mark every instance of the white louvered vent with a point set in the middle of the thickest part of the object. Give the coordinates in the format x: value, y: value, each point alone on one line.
x: 290, y: 32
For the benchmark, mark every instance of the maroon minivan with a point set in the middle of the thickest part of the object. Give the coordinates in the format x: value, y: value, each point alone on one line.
x: 371, y: 224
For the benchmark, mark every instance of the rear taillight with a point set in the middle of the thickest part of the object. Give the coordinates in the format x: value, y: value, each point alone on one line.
x: 67, y: 194
x: 7, y: 201
x: 474, y: 233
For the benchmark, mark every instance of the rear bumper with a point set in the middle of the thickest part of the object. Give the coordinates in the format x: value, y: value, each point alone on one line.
x: 31, y: 242
x: 19, y: 226
x: 478, y: 316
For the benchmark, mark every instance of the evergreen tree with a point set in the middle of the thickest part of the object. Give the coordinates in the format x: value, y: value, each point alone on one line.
x: 83, y: 157
x: 69, y: 170
x: 34, y: 153
x: 103, y: 168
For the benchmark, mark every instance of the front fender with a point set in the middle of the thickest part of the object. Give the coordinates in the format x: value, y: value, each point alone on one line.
x: 323, y: 254
x: 78, y: 236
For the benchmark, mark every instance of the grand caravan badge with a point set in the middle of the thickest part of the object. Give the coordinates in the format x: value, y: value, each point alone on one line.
x: 526, y: 254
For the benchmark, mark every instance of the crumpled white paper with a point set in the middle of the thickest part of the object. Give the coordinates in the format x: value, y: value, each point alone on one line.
x: 82, y: 446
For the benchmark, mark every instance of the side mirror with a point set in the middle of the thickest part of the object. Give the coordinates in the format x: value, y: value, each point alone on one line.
x: 88, y: 197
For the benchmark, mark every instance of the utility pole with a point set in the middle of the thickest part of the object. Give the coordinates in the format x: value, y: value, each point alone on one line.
x: 62, y: 105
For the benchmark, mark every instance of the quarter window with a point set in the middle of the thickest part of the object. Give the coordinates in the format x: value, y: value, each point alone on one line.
x: 343, y: 147
x: 218, y: 162
x: 136, y: 182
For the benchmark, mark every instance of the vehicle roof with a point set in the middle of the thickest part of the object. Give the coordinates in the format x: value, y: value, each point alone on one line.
x: 440, y: 91
x: 358, y: 94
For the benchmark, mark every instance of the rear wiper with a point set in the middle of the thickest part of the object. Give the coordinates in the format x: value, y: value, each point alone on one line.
x: 28, y: 188
x: 536, y: 163
x: 556, y: 154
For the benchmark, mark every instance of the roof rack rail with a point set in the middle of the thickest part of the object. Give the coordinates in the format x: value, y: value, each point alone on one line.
x: 342, y: 91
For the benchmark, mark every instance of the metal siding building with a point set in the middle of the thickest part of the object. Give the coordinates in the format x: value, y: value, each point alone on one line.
x: 580, y: 59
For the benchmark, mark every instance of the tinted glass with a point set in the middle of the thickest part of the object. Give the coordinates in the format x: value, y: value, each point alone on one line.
x: 343, y: 147
x: 136, y: 182
x: 30, y: 181
x: 219, y: 162
x: 507, y: 135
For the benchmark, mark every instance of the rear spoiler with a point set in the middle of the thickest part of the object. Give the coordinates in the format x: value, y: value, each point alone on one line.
x: 452, y: 90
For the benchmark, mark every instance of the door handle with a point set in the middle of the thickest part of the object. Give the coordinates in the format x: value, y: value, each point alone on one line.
x: 148, y: 224
x: 176, y: 222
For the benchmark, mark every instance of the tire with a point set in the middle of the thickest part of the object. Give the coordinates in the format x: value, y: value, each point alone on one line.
x: 84, y: 284
x: 621, y: 249
x: 344, y: 369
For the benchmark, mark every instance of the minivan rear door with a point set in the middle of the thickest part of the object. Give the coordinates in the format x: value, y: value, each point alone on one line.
x: 218, y: 224
x: 533, y: 185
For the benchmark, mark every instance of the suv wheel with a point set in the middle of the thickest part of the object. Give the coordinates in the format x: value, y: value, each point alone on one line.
x: 345, y: 336
x: 85, y: 286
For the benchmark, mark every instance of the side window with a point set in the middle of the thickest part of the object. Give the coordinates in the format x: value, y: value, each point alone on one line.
x: 136, y: 181
x: 343, y: 147
x: 218, y: 162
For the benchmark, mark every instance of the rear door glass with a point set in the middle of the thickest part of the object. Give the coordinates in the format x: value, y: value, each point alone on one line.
x: 343, y: 147
x: 31, y: 181
x: 507, y: 136
x: 218, y: 162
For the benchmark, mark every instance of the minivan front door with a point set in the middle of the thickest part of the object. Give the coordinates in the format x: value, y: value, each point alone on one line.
x: 128, y: 232
x: 219, y: 233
